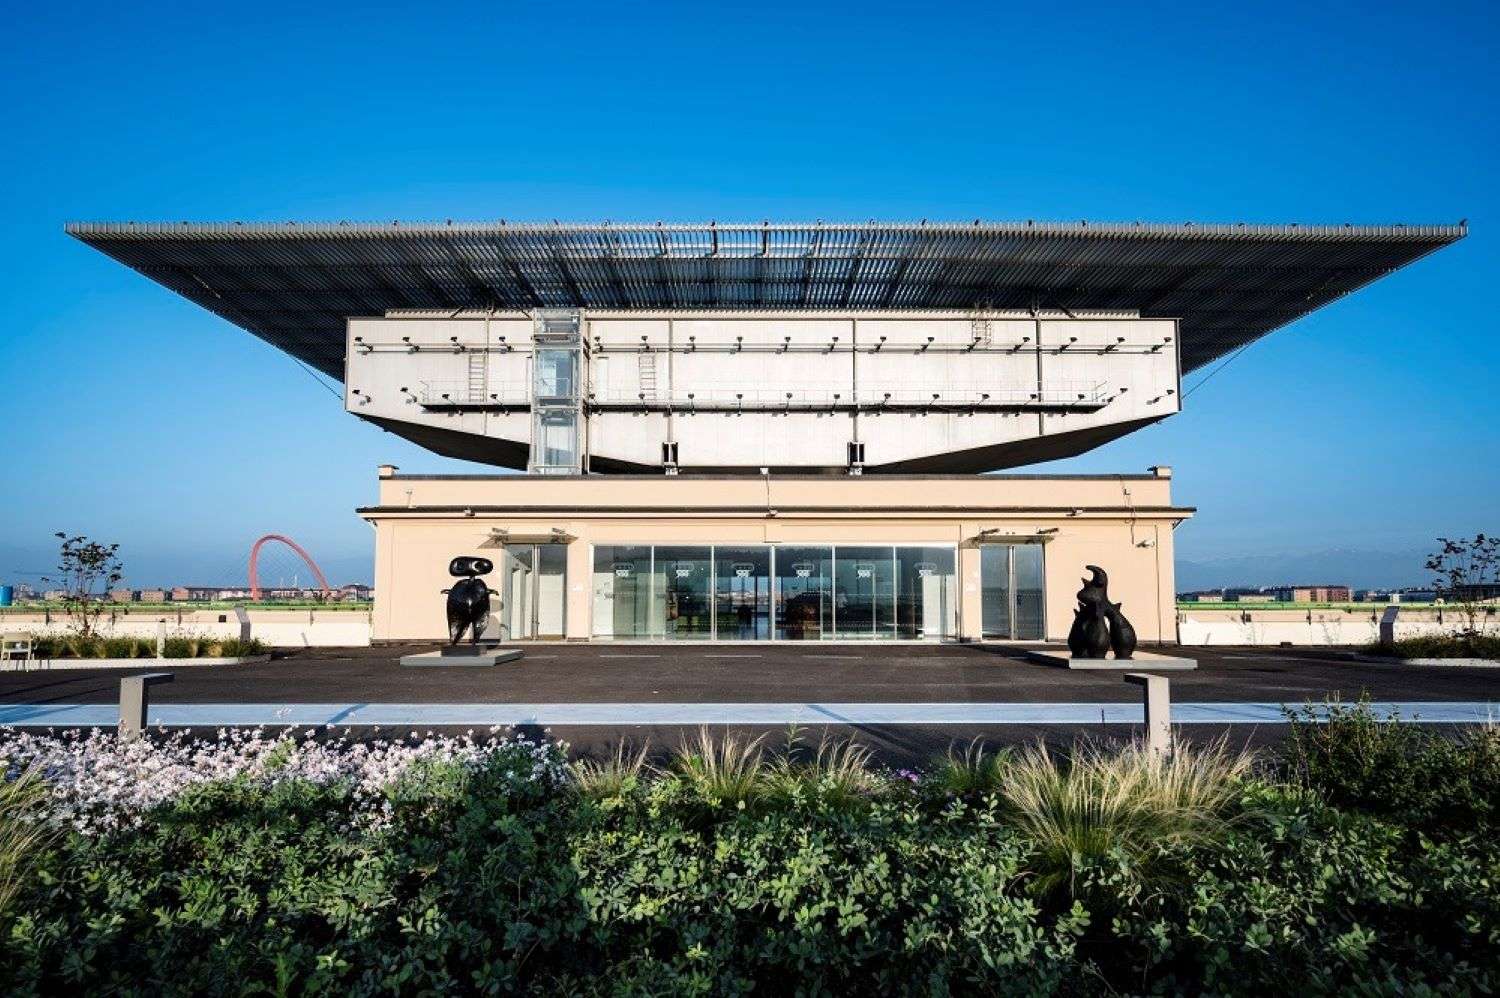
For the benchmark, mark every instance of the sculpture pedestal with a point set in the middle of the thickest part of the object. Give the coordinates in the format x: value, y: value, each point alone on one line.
x: 460, y: 656
x: 1062, y: 658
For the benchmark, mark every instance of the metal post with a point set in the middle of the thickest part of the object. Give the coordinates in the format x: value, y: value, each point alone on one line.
x: 1388, y: 625
x: 1158, y: 710
x: 134, y: 701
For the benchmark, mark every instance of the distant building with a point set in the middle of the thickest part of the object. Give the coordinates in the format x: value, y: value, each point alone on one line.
x: 1473, y: 593
x: 122, y: 596
x: 1313, y: 594
x: 1206, y: 596
x: 155, y: 595
x: 1416, y: 595
x: 354, y: 592
x: 55, y: 595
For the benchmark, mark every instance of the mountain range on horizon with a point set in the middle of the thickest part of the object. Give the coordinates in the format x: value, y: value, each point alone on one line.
x: 1357, y: 568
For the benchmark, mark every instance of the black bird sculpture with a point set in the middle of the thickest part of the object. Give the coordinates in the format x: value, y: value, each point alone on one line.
x: 1098, y: 624
x: 1089, y: 637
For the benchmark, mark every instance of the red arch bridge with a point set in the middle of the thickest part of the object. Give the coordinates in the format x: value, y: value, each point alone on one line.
x: 255, y: 558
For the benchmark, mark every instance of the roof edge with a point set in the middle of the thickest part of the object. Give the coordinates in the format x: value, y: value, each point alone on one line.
x: 1447, y: 232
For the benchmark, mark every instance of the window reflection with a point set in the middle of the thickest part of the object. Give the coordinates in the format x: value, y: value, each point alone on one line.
x: 1011, y: 592
x: 804, y: 593
x: 926, y: 593
x: 622, y: 591
x: 864, y: 580
x: 682, y: 591
x: 742, y: 593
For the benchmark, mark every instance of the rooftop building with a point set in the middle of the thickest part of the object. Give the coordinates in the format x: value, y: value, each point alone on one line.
x: 732, y: 431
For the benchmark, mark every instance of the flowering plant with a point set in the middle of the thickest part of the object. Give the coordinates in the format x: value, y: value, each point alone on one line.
x: 100, y: 783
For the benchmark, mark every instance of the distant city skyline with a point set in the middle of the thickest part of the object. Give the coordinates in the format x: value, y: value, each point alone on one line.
x: 134, y: 416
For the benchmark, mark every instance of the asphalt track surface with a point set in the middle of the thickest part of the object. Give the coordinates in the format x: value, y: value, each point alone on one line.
x: 908, y: 702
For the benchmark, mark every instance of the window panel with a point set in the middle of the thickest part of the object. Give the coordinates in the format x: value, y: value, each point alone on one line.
x: 926, y: 593
x: 742, y: 593
x: 683, y: 587
x: 804, y: 593
x: 622, y: 592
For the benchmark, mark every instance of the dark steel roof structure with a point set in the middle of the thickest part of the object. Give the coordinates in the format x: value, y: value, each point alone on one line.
x: 294, y: 284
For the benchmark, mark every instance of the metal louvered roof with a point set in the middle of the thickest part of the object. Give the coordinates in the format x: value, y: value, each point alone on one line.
x: 294, y: 284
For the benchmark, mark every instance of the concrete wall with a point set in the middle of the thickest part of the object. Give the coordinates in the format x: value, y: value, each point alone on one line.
x: 680, y: 366
x: 1305, y: 627
x: 277, y: 628
x: 1122, y: 523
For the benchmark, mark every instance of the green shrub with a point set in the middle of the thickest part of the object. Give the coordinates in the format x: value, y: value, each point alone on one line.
x: 177, y: 646
x: 238, y: 648
x: 1434, y: 783
x: 24, y: 832
x: 973, y: 772
x: 1128, y: 804
x: 119, y: 647
x: 724, y: 771
x: 838, y: 776
x: 1465, y: 645
x: 612, y: 777
x: 1301, y: 898
x: 1190, y: 876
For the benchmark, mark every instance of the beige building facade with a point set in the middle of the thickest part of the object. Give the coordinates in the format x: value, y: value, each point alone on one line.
x: 772, y: 558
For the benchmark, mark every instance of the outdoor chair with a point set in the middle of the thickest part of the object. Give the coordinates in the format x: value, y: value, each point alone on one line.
x: 17, y: 647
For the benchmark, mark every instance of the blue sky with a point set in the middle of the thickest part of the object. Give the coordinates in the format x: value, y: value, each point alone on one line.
x: 134, y: 416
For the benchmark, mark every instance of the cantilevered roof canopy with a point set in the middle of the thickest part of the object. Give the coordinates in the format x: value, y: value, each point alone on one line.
x: 293, y: 285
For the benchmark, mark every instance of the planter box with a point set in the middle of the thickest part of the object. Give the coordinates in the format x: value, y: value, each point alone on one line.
x: 67, y: 664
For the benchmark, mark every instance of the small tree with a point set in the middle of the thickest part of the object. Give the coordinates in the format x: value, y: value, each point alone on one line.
x: 85, y: 572
x: 1462, y: 567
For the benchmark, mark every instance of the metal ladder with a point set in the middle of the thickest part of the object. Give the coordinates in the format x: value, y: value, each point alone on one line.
x: 478, y: 367
x: 647, y: 361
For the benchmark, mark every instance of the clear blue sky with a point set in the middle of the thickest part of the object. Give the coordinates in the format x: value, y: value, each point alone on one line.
x: 134, y: 416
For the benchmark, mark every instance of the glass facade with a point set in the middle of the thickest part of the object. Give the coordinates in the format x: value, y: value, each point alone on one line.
x: 683, y: 578
x: 764, y: 592
x: 622, y: 592
x: 864, y: 590
x: 1011, y: 592
x: 804, y: 593
x: 742, y: 593
x: 926, y: 593
x: 556, y: 396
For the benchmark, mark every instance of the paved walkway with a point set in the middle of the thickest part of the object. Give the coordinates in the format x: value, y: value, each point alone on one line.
x: 484, y: 715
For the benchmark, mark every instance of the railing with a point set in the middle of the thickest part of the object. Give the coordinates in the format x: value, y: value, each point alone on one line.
x: 1068, y: 396
x: 1058, y: 396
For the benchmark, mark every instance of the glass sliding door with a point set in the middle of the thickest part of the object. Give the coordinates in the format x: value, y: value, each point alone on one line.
x: 864, y: 582
x: 804, y: 593
x: 1026, y: 577
x: 1012, y: 592
x: 684, y: 592
x: 551, y: 591
x: 926, y: 593
x: 517, y: 591
x: 995, y: 591
x: 622, y: 591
